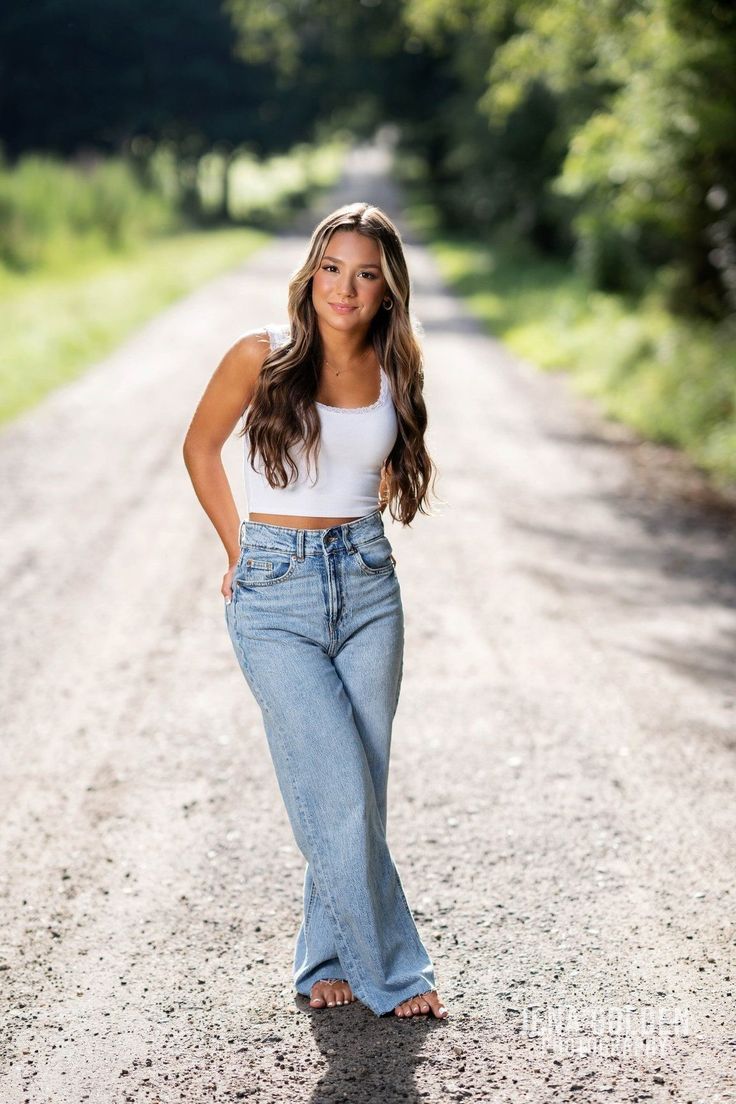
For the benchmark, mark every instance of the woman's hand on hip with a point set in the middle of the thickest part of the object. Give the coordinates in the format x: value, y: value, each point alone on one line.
x: 227, y: 583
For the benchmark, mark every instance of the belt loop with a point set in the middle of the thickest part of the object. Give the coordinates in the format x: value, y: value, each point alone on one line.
x: 346, y: 537
x: 300, y: 544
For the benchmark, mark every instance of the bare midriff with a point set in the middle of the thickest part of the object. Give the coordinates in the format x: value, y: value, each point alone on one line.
x: 294, y: 522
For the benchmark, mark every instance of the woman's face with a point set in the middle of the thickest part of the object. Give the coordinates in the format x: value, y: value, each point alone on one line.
x: 349, y: 274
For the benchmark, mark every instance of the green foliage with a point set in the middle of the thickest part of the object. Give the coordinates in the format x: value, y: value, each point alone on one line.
x: 638, y: 166
x: 602, y: 131
x: 672, y: 380
x: 93, y: 253
x: 54, y: 325
x: 51, y: 211
x: 662, y: 136
x: 261, y: 193
x: 54, y: 214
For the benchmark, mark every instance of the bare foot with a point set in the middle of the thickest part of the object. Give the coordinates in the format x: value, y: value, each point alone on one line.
x: 330, y: 992
x: 421, y: 1004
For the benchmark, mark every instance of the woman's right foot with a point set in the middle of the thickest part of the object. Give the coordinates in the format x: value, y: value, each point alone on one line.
x: 330, y: 992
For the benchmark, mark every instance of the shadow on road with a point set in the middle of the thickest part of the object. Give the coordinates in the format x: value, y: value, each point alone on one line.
x: 377, y: 1056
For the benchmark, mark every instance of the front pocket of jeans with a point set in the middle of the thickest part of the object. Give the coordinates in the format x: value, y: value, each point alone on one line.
x: 375, y: 557
x: 265, y: 568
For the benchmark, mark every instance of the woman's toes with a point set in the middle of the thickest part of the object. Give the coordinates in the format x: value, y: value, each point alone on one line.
x: 331, y: 994
x: 420, y: 1005
x: 320, y: 994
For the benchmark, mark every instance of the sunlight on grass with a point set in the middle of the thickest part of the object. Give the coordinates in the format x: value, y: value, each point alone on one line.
x: 86, y: 312
x: 87, y: 254
x: 671, y: 379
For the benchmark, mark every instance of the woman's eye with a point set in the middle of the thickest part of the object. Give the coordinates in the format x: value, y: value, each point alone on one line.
x: 372, y: 275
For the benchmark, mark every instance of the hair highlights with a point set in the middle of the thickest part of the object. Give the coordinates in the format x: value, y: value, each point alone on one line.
x: 282, y: 415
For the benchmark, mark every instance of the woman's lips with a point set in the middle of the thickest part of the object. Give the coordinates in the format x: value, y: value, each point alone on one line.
x: 342, y: 309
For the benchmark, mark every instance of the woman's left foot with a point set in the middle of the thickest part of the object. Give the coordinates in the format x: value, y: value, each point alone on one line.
x: 421, y: 1004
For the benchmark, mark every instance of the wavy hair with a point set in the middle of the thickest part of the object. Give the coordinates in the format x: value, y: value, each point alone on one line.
x: 282, y: 415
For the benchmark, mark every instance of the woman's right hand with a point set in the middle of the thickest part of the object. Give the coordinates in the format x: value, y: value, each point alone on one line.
x: 227, y: 584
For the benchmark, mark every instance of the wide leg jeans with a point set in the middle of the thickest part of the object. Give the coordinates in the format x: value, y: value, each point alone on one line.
x: 317, y: 626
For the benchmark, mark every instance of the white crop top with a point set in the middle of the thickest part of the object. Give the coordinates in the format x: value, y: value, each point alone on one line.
x: 344, y: 482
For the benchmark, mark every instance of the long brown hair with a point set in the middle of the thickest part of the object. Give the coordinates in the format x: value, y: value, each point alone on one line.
x: 282, y: 414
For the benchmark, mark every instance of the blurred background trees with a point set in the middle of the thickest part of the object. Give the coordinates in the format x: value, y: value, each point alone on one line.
x: 604, y: 132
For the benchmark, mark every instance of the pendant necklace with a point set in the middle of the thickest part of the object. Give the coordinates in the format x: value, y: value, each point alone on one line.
x: 337, y: 370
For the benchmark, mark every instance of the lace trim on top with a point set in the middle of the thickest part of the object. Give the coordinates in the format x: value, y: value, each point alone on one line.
x: 361, y: 409
x: 276, y: 332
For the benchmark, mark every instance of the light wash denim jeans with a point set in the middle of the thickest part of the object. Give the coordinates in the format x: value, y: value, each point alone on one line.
x: 317, y: 625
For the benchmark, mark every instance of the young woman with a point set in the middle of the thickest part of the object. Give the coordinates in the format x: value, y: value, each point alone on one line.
x: 333, y: 427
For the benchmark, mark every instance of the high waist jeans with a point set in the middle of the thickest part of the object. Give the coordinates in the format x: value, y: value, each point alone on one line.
x: 317, y: 625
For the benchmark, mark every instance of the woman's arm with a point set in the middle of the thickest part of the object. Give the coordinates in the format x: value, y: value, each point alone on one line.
x: 226, y: 396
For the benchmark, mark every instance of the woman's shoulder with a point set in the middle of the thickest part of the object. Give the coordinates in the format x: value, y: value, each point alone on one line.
x: 278, y: 333
x: 270, y: 335
x: 268, y: 330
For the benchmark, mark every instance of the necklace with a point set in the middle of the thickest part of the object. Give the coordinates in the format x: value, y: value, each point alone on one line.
x: 337, y: 370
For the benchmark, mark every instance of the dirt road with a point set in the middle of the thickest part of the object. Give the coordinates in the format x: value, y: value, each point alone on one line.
x: 562, y: 795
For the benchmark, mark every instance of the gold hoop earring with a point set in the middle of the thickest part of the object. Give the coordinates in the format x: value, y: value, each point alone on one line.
x: 388, y: 305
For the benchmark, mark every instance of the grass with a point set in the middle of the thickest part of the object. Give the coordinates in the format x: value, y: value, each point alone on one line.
x: 671, y: 379
x: 55, y: 325
x: 87, y: 254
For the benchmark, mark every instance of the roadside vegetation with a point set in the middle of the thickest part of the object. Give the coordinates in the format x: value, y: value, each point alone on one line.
x: 90, y: 251
x: 672, y: 379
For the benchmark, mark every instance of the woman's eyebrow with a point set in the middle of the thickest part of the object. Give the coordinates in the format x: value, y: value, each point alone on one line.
x: 328, y: 258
